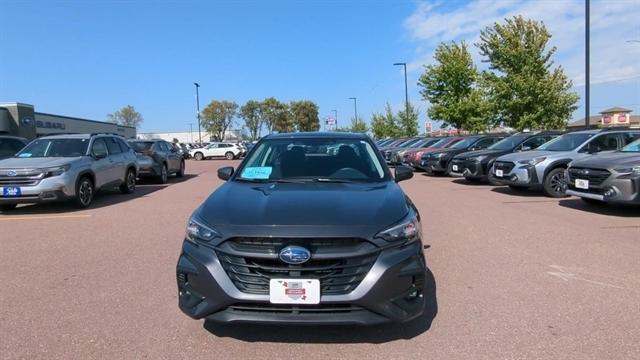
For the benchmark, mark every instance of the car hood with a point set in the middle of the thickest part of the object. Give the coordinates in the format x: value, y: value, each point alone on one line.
x: 611, y: 160
x: 307, y: 204
x: 45, y: 162
x: 486, y: 152
x: 532, y: 154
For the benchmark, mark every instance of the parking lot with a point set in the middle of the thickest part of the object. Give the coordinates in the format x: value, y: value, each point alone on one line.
x: 518, y: 276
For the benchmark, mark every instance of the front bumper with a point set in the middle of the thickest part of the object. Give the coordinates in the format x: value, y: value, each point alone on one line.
x: 433, y: 165
x: 469, y: 168
x: 56, y: 188
x: 206, y: 291
x: 617, y: 190
x: 519, y: 175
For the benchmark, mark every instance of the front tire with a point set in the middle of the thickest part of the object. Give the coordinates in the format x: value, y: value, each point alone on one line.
x: 198, y: 156
x: 85, y: 192
x: 129, y: 184
x: 164, y: 174
x: 229, y: 155
x: 555, y: 183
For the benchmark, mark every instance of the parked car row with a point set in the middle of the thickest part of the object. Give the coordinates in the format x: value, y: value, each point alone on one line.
x: 596, y: 165
x: 75, y: 166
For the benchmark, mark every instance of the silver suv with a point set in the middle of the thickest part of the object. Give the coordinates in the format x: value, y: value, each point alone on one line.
x: 62, y: 167
x: 544, y: 167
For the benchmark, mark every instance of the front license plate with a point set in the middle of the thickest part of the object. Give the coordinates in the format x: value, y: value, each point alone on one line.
x: 454, y: 167
x: 499, y: 173
x: 294, y: 291
x: 582, y: 184
x: 11, y: 191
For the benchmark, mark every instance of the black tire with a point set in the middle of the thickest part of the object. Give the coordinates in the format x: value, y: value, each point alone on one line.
x: 164, y: 174
x: 180, y: 172
x: 594, y: 202
x: 229, y: 155
x: 555, y: 184
x: 85, y: 191
x: 8, y: 207
x: 518, y: 188
x: 129, y: 184
x: 198, y: 156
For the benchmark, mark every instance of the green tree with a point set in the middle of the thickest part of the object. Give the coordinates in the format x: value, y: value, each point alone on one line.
x: 252, y: 114
x: 175, y: 140
x: 378, y: 127
x: 452, y: 86
x: 218, y: 116
x: 127, y: 116
x: 275, y: 115
x: 408, y: 122
x: 391, y: 123
x: 305, y: 115
x: 526, y: 92
x: 358, y: 125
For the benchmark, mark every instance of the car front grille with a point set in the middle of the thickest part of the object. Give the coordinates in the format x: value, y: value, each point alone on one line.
x: 307, y: 309
x: 339, y: 263
x: 595, y: 176
x: 20, y: 177
x: 505, y: 166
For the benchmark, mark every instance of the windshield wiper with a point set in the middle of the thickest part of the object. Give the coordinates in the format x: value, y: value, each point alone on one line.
x: 266, y: 181
x: 327, y: 180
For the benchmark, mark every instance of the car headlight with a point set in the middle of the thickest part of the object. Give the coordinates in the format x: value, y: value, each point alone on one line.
x: 407, y: 230
x: 56, y: 171
x: 533, y: 162
x: 197, y: 231
x: 635, y: 171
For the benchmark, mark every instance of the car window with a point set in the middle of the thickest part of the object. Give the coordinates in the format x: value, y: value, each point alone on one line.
x: 112, y: 145
x: 486, y: 142
x: 566, y: 142
x: 508, y: 143
x: 630, y: 137
x: 314, y: 159
x: 212, y: 146
x: 99, y: 147
x: 8, y: 147
x: 141, y: 146
x: 632, y: 147
x: 603, y: 143
x: 123, y: 145
x: 536, y: 141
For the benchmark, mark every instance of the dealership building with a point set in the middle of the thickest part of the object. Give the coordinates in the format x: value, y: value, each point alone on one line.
x: 22, y: 120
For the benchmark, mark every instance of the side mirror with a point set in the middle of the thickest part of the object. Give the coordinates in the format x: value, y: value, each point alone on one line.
x: 99, y: 156
x: 403, y: 173
x: 225, y: 173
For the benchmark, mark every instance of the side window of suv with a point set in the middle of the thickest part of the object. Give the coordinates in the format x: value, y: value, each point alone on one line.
x: 534, y: 142
x: 113, y: 146
x: 99, y: 148
x: 602, y: 143
x: 630, y: 137
x: 123, y: 145
x: 485, y: 143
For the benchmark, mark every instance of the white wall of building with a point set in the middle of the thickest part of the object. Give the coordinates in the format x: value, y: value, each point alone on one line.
x: 187, y: 136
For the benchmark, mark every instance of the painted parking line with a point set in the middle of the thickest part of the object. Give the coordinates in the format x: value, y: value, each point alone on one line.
x: 10, y: 218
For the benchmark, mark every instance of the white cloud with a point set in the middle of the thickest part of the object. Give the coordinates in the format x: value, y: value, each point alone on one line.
x: 612, y: 23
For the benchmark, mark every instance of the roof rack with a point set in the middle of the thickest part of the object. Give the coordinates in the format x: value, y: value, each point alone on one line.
x: 614, y: 128
x: 104, y: 133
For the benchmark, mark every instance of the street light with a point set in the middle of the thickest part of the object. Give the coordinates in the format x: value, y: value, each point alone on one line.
x: 355, y: 107
x: 586, y: 63
x: 406, y: 90
x: 198, y: 107
x: 190, y: 131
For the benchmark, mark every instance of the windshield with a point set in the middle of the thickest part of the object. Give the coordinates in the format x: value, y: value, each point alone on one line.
x: 465, y: 143
x: 422, y: 143
x: 312, y: 159
x: 508, y: 143
x: 633, y: 147
x: 566, y: 142
x: 410, y: 143
x: 141, y: 146
x: 55, y: 148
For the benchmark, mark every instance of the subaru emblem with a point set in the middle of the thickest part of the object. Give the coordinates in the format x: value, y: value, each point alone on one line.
x: 12, y: 173
x: 294, y: 255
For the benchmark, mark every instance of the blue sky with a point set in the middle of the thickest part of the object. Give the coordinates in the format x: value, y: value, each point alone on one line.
x: 89, y: 58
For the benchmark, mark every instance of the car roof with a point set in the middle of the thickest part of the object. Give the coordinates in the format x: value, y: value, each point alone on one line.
x: 12, y: 137
x: 318, y: 135
x: 66, y: 136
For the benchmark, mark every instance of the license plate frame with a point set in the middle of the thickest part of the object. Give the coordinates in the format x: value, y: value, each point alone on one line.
x: 499, y: 173
x: 294, y: 291
x: 454, y: 167
x: 10, y: 191
x: 582, y: 184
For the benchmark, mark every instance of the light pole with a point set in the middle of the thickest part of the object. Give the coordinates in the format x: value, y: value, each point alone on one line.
x: 190, y: 131
x: 335, y: 115
x: 198, y: 107
x: 406, y: 90
x: 586, y: 63
x: 355, y: 108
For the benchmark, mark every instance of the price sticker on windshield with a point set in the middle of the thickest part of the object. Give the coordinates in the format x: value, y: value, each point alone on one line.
x: 259, y: 172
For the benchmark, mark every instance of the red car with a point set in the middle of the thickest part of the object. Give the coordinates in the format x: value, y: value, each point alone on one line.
x: 413, y: 158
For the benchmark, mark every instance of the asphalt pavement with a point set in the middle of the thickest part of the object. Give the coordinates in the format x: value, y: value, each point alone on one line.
x: 518, y: 276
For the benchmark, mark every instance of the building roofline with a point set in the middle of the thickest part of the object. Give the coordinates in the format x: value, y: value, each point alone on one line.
x: 81, y: 119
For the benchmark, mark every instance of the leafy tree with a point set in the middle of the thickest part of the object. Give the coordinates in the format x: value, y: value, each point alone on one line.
x: 127, y: 116
x: 305, y: 115
x: 175, y: 140
x: 526, y: 92
x: 251, y: 112
x: 408, y: 121
x: 218, y: 116
x: 452, y: 87
x: 391, y: 123
x: 378, y: 127
x: 275, y: 115
x: 358, y: 125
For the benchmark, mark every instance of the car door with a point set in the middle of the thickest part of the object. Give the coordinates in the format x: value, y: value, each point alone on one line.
x: 103, y: 168
x: 213, y: 150
x: 116, y: 157
x: 173, y: 157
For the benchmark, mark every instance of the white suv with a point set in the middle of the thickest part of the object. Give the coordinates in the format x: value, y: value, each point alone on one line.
x: 217, y: 149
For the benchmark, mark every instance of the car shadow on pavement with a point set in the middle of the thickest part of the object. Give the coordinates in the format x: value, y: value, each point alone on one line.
x: 505, y: 190
x: 464, y: 181
x: 618, y: 210
x: 103, y: 198
x: 330, y: 334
